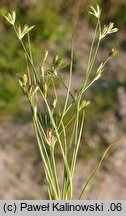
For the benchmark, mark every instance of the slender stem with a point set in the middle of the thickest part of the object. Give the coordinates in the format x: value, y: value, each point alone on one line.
x: 77, y: 146
x: 28, y: 56
x: 62, y: 82
x: 30, y: 50
x: 33, y: 67
x: 70, y: 77
x: 65, y: 141
x: 90, y: 65
x: 28, y: 71
x: 92, y: 46
x: 64, y: 188
x: 91, y: 58
x: 46, y: 155
x: 57, y: 136
x: 44, y: 161
x: 55, y: 93
x: 54, y: 170
x: 64, y: 109
x: 96, y: 170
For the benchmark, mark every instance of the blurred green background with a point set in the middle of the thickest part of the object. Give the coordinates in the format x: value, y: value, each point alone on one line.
x: 54, y: 22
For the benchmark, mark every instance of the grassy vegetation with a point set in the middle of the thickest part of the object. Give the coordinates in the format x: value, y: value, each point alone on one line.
x: 53, y: 25
x: 51, y: 125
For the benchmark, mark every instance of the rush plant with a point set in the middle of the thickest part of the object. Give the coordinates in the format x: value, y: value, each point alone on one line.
x: 51, y: 127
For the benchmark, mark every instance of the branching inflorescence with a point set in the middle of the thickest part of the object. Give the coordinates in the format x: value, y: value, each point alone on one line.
x: 36, y: 84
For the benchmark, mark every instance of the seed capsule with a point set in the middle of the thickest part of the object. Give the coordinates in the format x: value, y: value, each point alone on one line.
x: 44, y: 87
x: 35, y: 89
x: 24, y: 89
x: 49, y: 136
x: 53, y: 105
x: 113, y: 52
x: 31, y: 87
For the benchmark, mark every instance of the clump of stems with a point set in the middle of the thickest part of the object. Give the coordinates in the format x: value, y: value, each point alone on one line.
x: 51, y: 132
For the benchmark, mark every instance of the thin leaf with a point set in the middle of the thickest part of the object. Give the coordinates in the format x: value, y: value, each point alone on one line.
x: 96, y: 169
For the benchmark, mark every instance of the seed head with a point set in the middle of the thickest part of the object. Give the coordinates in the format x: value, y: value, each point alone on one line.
x: 11, y: 17
x: 95, y: 11
x: 84, y: 104
x: 113, y: 52
x: 44, y: 87
x: 24, y: 79
x: 54, y: 104
x: 22, y: 32
x: 31, y: 87
x: 108, y: 29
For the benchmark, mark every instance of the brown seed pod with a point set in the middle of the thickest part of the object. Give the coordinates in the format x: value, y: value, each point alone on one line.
x: 24, y: 89
x: 44, y: 87
x: 49, y: 136
x: 31, y: 87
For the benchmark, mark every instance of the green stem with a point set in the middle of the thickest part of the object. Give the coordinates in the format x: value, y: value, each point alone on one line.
x: 28, y: 56
x: 75, y: 150
x: 58, y: 137
x: 70, y: 78
x: 49, y: 178
x: 54, y: 170
x: 91, y: 58
x: 96, y: 170
x: 30, y: 50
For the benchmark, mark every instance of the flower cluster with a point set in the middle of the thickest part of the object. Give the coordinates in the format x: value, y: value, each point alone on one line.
x: 95, y: 12
x: 108, y: 29
x: 22, y: 32
x: 11, y: 18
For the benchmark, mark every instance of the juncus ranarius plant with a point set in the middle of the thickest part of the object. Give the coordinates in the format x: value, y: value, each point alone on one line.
x: 35, y: 84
